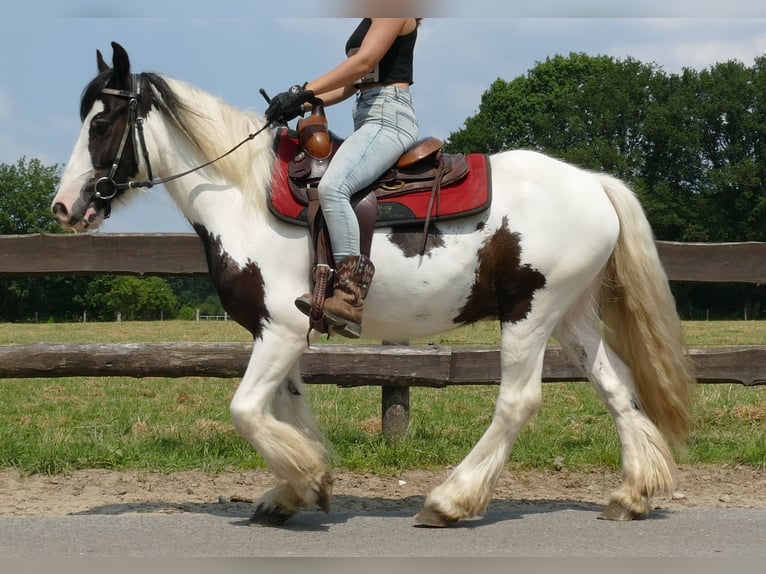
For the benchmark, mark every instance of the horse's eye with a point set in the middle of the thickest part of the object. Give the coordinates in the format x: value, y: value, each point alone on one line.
x: 100, y: 127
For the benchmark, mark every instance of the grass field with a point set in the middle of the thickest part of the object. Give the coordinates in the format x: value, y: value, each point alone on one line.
x: 58, y: 425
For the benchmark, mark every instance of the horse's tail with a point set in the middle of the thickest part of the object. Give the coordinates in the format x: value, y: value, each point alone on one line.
x: 642, y: 324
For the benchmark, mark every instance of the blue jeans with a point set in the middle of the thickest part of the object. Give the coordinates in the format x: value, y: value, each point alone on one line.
x: 384, y: 128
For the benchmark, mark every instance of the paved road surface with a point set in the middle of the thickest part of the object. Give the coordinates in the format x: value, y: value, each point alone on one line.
x: 519, y: 531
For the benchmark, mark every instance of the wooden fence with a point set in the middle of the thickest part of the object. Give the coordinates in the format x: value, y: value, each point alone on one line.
x: 182, y: 254
x: 395, y: 368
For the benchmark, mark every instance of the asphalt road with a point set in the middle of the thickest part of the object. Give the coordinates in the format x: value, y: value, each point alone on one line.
x: 525, y: 530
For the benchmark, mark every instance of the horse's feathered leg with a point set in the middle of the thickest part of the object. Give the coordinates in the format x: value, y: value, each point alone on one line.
x: 647, y: 462
x: 468, y: 490
x: 270, y: 411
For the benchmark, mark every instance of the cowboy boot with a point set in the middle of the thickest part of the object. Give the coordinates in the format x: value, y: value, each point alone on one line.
x: 343, y: 311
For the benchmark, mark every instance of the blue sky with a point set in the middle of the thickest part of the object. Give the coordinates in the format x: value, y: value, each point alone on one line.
x: 48, y: 48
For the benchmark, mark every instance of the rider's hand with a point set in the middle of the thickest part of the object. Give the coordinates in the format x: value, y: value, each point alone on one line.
x: 288, y: 105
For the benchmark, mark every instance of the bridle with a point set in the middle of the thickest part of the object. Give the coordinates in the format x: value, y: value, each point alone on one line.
x: 105, y: 188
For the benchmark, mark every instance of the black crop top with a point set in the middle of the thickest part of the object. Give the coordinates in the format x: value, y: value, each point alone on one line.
x: 396, y: 65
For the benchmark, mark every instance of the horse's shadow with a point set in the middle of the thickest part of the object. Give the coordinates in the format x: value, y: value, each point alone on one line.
x: 347, y: 507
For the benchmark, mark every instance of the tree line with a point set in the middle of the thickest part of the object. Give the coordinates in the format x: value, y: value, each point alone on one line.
x: 691, y: 144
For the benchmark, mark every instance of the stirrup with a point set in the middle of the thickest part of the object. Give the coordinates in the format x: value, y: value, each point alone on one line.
x: 303, y: 303
x: 343, y: 327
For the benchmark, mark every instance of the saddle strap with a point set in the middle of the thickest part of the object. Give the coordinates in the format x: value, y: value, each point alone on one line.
x: 322, y: 268
x: 322, y: 275
x: 435, y: 196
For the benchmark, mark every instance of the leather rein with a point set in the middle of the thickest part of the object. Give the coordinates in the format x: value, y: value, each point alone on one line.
x: 105, y: 188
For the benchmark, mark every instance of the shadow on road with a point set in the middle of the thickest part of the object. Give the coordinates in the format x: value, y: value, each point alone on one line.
x: 345, y: 507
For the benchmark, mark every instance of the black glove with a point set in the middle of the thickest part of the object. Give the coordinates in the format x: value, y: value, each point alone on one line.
x: 288, y: 105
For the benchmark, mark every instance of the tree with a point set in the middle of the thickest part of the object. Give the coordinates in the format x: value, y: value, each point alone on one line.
x: 26, y: 192
x: 133, y: 298
x: 195, y: 293
x: 731, y: 109
x: 672, y: 176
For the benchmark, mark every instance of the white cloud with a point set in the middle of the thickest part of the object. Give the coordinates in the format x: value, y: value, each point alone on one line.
x: 705, y: 54
x: 673, y: 56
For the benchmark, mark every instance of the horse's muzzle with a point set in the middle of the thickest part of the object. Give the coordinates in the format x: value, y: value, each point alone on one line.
x: 78, y: 215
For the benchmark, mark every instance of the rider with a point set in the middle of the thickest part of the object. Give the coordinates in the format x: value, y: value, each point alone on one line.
x: 378, y: 69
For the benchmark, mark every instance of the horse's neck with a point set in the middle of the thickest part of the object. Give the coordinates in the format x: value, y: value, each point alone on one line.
x: 233, y: 187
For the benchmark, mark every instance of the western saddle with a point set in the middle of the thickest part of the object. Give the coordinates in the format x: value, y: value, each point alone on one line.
x: 422, y: 167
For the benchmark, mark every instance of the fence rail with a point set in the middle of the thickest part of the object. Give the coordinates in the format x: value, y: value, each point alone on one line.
x: 394, y: 368
x: 182, y: 254
x: 342, y: 365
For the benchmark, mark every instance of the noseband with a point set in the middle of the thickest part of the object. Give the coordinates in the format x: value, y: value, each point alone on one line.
x: 105, y: 189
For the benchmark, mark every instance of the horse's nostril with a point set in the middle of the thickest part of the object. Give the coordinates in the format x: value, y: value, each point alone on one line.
x: 60, y: 212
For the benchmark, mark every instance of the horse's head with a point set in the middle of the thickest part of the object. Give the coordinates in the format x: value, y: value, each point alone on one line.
x: 104, y: 159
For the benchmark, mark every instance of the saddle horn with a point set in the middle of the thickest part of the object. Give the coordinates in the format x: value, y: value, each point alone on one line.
x: 313, y: 133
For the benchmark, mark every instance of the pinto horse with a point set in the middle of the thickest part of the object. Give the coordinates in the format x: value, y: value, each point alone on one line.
x: 561, y: 252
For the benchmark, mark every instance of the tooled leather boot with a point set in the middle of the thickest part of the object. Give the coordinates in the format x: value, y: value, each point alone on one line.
x: 343, y: 311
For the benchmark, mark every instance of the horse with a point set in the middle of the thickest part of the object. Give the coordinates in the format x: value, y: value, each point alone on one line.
x: 561, y: 252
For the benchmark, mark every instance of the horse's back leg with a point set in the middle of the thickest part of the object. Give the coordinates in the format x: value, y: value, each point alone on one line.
x: 468, y: 490
x: 647, y: 461
x: 270, y: 411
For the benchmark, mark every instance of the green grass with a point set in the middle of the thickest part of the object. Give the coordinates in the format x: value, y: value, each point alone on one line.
x: 58, y: 425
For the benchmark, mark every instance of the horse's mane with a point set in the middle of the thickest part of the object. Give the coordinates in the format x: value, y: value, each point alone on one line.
x: 210, y: 124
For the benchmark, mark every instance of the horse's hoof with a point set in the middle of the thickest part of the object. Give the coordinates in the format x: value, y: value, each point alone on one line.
x: 268, y: 516
x: 432, y: 518
x: 325, y: 492
x: 617, y: 512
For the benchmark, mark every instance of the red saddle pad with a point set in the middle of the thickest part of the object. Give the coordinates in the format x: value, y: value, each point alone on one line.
x: 469, y: 196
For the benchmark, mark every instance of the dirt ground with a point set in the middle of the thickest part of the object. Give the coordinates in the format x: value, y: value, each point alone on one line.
x: 110, y: 492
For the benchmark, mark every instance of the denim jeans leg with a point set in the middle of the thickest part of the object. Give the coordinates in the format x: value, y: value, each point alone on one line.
x: 385, y: 127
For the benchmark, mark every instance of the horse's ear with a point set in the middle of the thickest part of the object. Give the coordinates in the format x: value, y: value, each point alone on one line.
x: 102, y: 65
x: 120, y: 61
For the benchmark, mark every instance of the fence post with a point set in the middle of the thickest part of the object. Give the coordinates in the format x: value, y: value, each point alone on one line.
x: 395, y: 406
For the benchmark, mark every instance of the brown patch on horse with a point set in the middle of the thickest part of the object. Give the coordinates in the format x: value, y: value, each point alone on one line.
x: 241, y: 289
x: 409, y: 239
x: 504, y: 288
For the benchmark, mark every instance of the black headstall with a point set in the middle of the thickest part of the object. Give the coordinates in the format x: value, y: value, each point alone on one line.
x: 105, y: 188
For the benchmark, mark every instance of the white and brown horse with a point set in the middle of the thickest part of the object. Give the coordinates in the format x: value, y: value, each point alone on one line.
x: 561, y: 252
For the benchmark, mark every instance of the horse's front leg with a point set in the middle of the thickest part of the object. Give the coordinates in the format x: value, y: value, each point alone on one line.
x: 270, y: 411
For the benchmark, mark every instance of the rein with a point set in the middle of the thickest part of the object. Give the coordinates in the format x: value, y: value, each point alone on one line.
x: 135, y: 124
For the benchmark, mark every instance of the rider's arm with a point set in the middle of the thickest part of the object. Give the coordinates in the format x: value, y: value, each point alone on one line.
x: 334, y: 96
x: 337, y: 84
